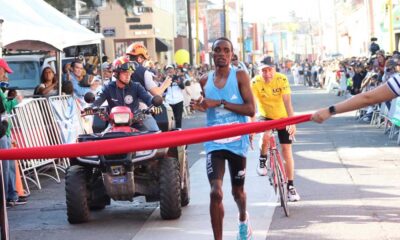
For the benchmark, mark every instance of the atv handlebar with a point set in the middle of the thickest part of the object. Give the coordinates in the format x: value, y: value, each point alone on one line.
x: 138, y: 116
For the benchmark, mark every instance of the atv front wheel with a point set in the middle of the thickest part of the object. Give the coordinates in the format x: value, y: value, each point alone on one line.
x: 170, y: 189
x: 77, y: 195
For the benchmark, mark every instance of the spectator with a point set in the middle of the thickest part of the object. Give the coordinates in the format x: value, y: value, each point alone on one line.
x: 5, y: 143
x: 66, y: 72
x: 236, y: 64
x: 48, y: 84
x: 106, y: 71
x: 374, y: 47
x: 174, y: 96
x: 75, y: 77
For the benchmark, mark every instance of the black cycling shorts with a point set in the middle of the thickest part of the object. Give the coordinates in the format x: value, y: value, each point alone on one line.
x: 283, y: 134
x: 216, y: 166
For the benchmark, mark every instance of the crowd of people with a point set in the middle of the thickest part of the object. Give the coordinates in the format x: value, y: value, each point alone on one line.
x: 134, y: 79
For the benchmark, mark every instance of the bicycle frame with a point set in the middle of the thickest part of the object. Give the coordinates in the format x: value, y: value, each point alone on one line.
x: 273, y: 151
x: 279, y: 178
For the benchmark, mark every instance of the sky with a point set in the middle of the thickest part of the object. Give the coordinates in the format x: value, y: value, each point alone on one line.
x: 259, y: 9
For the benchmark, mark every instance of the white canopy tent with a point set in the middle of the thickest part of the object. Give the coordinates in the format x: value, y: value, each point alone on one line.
x: 38, y: 22
x: 36, y: 25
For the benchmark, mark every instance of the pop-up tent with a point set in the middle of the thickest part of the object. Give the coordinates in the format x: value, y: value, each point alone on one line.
x: 36, y: 25
x: 31, y: 24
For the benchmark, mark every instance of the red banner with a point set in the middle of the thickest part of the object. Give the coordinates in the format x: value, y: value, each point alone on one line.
x: 148, y: 142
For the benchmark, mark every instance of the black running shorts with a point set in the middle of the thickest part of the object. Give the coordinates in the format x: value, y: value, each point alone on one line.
x: 216, y: 166
x: 283, y: 135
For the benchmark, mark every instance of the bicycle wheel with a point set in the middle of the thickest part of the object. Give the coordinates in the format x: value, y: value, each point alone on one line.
x: 283, y: 191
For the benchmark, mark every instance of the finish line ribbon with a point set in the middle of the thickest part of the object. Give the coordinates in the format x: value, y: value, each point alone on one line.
x: 148, y: 142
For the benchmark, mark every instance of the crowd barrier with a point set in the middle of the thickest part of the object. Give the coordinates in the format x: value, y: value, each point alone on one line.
x: 44, y: 122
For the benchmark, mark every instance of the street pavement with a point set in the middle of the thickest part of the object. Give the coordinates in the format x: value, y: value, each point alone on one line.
x: 347, y: 174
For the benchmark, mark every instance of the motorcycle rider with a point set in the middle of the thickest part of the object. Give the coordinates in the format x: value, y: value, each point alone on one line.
x: 138, y: 54
x: 124, y: 92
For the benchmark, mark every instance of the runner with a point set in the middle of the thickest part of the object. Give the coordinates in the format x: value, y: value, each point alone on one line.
x: 227, y: 99
x: 272, y: 93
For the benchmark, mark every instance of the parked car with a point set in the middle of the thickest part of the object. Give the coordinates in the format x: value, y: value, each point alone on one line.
x: 27, y: 70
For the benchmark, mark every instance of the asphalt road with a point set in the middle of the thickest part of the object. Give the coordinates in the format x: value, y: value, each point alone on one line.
x: 347, y: 174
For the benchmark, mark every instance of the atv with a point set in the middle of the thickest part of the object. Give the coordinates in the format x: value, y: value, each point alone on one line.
x: 159, y: 175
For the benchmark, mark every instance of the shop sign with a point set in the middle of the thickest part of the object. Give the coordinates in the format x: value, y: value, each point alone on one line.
x: 109, y: 32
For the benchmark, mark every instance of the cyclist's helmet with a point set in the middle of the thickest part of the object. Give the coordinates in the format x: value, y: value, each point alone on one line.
x: 136, y: 49
x: 123, y: 64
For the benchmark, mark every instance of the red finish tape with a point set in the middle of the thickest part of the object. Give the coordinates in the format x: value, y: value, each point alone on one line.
x: 148, y: 142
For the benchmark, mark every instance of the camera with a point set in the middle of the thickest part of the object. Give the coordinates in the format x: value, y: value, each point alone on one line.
x: 175, y: 78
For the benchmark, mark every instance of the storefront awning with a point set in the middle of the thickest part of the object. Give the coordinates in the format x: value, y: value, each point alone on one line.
x: 161, y: 45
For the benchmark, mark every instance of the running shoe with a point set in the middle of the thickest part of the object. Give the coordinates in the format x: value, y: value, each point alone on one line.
x: 262, y: 167
x: 245, y: 231
x: 293, y: 196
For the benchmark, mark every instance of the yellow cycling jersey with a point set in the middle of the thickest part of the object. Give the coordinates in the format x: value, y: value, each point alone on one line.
x: 269, y: 95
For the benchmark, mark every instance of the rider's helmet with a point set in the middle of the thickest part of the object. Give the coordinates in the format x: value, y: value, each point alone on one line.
x: 122, y: 64
x: 136, y: 49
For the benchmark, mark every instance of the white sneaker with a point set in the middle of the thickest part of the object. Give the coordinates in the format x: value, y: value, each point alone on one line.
x: 262, y: 167
x: 245, y: 231
x: 293, y: 196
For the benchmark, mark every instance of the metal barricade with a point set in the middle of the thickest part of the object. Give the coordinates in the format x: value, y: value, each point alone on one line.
x: 67, y: 117
x: 33, y: 125
x: 44, y: 122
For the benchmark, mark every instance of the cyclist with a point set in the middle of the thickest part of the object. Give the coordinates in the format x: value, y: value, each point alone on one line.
x: 227, y: 99
x: 272, y: 93
x: 124, y: 92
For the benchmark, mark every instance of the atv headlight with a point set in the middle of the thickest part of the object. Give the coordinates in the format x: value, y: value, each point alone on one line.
x: 121, y: 118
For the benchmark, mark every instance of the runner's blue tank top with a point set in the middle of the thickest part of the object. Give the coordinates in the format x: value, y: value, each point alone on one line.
x: 221, y: 116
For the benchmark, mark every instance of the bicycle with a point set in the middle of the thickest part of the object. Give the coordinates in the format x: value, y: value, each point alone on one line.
x: 277, y: 173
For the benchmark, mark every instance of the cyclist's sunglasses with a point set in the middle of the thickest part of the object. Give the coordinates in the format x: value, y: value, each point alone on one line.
x: 128, y: 67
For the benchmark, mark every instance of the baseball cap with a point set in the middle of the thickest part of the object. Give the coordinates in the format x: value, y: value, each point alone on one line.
x: 106, y: 66
x: 4, y: 65
x: 266, y: 62
x: 168, y: 66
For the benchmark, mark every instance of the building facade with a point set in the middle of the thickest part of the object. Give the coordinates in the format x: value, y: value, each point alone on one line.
x: 151, y: 24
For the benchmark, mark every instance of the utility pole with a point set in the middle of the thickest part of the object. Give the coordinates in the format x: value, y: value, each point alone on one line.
x: 311, y: 39
x: 197, y: 34
x: 224, y: 12
x: 190, y: 33
x: 336, y: 26
x: 242, y: 27
x: 321, y: 50
x: 391, y: 33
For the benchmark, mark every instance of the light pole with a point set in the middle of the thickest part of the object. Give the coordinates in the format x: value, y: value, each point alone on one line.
x: 242, y: 27
x: 190, y: 33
